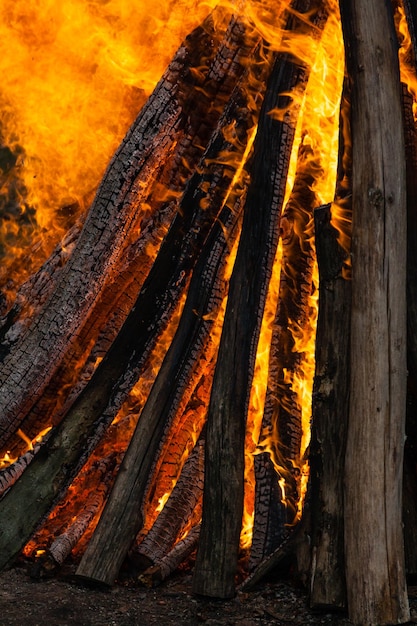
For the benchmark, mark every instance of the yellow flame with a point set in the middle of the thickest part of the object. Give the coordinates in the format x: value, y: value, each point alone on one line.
x: 317, y: 128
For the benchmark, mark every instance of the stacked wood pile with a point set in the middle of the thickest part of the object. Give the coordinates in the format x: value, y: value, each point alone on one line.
x: 83, y: 330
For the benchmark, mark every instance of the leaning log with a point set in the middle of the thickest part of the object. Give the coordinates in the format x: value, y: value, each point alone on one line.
x: 410, y: 473
x: 330, y: 412
x: 375, y: 571
x: 78, y: 433
x: 200, y: 98
x: 224, y: 468
x: 122, y: 517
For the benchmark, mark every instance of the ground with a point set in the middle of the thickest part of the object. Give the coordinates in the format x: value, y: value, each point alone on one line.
x: 60, y: 601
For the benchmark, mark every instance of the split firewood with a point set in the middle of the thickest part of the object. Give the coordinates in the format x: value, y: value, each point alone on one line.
x: 83, y: 425
x: 177, y: 443
x: 410, y: 474
x: 62, y: 546
x: 176, y: 512
x: 168, y: 564
x: 330, y: 412
x: 199, y: 114
x: 10, y: 474
x: 287, y: 548
x: 374, y: 550
x: 224, y: 468
x: 270, y: 520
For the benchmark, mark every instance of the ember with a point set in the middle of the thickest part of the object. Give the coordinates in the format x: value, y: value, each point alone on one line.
x: 168, y: 341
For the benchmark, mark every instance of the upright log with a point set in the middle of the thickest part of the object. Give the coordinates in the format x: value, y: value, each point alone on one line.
x: 375, y: 572
x: 224, y: 467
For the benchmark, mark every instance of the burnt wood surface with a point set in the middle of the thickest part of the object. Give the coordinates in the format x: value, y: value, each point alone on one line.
x: 111, y: 541
x: 177, y: 510
x: 410, y: 470
x: 104, y: 556
x: 217, y: 554
x: 83, y: 425
x: 375, y: 570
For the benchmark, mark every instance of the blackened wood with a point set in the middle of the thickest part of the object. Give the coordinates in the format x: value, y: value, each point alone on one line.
x: 63, y: 545
x: 27, y: 369
x: 282, y: 419
x: 376, y: 592
x: 411, y: 13
x: 94, y: 409
x: 285, y: 550
x: 10, y: 474
x: 330, y: 415
x: 202, y: 98
x: 224, y: 468
x: 270, y: 520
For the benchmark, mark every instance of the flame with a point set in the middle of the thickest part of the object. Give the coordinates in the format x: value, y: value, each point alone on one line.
x: 406, y: 55
x: 317, y: 129
x: 96, y: 88
x: 78, y: 75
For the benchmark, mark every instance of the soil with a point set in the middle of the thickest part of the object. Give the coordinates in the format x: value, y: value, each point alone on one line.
x: 61, y: 601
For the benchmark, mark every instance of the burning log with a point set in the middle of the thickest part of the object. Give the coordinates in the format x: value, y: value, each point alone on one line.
x: 224, y: 467
x: 374, y: 453
x: 95, y: 407
x: 64, y: 543
x: 281, y: 431
x: 198, y: 117
x: 10, y: 474
x: 177, y: 510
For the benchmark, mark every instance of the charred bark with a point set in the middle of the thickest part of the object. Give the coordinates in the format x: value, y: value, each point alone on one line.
x: 281, y: 431
x: 410, y: 473
x: 176, y: 512
x: 375, y: 570
x: 224, y: 468
x: 105, y: 554
x: 203, y: 95
x: 85, y: 422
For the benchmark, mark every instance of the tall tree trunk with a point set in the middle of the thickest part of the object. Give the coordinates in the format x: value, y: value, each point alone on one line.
x: 375, y: 569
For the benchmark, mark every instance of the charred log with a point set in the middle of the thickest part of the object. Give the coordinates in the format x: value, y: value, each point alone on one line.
x: 330, y: 407
x: 224, y: 468
x: 176, y: 512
